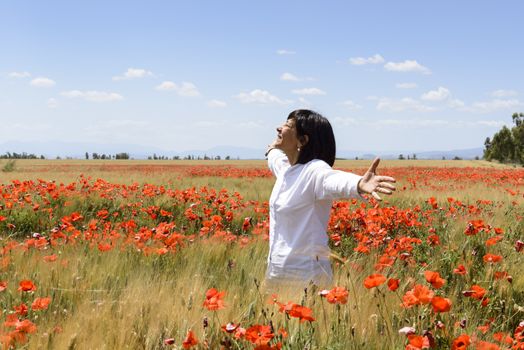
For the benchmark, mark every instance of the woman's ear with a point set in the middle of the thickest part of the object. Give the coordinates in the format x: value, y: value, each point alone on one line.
x: 304, y: 140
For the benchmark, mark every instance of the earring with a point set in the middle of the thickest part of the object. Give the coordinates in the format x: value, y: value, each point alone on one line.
x: 298, y: 149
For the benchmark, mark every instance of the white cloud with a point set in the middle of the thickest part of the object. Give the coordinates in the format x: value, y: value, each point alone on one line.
x: 304, y: 102
x: 504, y: 93
x: 93, y: 96
x: 42, y: 82
x: 52, y: 103
x: 493, y: 105
x: 285, y: 52
x: 404, y: 104
x: 134, y: 73
x: 346, y: 121
x: 259, y: 96
x: 407, y: 66
x: 208, y: 123
x: 455, y: 103
x: 119, y: 123
x: 217, y: 104
x: 186, y: 89
x: 19, y: 75
x: 351, y: 105
x: 359, y: 61
x: 440, y: 94
x: 491, y: 123
x: 120, y: 130
x: 289, y: 77
x: 412, y: 122
x: 406, y: 85
x: 252, y: 124
x: 308, y: 91
x: 166, y: 85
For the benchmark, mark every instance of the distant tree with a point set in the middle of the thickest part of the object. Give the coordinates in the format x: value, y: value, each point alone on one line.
x: 217, y: 158
x: 228, y: 158
x: 501, y: 147
x: 443, y: 158
x: 457, y: 158
x: 414, y: 156
x: 87, y: 155
x: 507, y: 145
x: 95, y: 155
x: 518, y: 137
x: 356, y: 158
x: 401, y: 157
x: 122, y: 155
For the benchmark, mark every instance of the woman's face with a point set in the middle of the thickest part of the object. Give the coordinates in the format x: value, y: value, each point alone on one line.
x: 287, y: 139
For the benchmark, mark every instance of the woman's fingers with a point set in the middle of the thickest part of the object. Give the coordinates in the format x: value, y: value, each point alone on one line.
x: 376, y: 196
x: 373, y: 168
x: 386, y: 185
x: 386, y: 178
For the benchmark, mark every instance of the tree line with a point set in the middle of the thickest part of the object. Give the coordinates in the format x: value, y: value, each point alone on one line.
x: 23, y: 155
x: 507, y: 145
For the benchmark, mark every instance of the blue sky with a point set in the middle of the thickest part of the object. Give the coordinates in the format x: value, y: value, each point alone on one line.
x: 182, y: 75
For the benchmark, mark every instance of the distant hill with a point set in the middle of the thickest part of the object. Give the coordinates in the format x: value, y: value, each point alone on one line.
x: 470, y: 153
x: 78, y: 149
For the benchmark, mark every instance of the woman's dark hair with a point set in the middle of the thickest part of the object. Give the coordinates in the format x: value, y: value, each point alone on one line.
x: 321, y: 140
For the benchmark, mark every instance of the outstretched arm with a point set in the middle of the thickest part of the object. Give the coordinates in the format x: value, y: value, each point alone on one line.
x: 374, y: 184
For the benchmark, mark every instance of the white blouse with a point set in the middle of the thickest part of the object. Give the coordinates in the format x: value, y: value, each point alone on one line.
x: 299, y: 209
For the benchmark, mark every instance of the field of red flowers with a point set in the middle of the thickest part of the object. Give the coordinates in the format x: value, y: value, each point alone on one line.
x: 178, y: 262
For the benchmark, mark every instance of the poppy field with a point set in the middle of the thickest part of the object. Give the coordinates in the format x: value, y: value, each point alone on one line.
x: 172, y: 255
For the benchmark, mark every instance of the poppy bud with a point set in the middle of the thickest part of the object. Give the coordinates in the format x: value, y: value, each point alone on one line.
x: 169, y: 341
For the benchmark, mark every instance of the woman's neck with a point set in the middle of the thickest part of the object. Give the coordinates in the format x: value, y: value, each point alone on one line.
x: 292, y: 157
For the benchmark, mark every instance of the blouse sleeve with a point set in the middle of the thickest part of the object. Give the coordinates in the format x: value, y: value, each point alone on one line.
x: 336, y: 184
x: 277, y: 162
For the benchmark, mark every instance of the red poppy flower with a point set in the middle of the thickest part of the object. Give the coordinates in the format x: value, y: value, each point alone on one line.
x: 493, y: 240
x: 416, y: 341
x: 434, y: 279
x: 374, y: 280
x: 50, y: 258
x: 476, y: 292
x: 441, y: 304
x: 259, y: 334
x: 190, y: 340
x: 40, y: 303
x: 27, y: 286
x: 503, y: 338
x: 301, y: 312
x: 419, y: 295
x: 460, y: 270
x: 338, y: 295
x: 393, y: 284
x: 3, y: 285
x: 214, y: 300
x: 492, y: 258
x: 484, y: 345
x: 461, y: 343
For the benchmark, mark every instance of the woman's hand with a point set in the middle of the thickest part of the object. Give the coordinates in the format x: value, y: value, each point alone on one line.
x: 373, y: 184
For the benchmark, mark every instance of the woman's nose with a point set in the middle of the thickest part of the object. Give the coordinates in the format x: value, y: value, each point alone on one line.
x: 279, y: 129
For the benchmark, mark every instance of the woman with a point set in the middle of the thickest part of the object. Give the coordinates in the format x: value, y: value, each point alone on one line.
x: 301, y: 159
